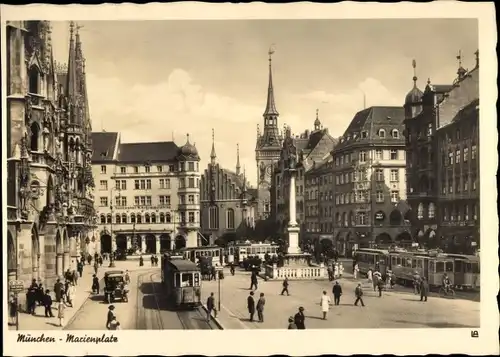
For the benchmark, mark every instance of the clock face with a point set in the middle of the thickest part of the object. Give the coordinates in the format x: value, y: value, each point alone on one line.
x: 269, y: 169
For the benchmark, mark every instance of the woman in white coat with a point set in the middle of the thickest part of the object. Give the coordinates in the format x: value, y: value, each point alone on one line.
x: 325, y: 304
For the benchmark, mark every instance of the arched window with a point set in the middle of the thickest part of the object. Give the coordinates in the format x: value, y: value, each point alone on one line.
x: 35, y: 135
x: 103, y: 219
x: 132, y: 218
x: 153, y: 218
x: 420, y: 211
x: 162, y: 217
x: 344, y: 219
x: 146, y: 218
x: 34, y: 80
x: 230, y: 218
x: 337, y: 218
x: 342, y: 198
x: 395, y: 133
x: 395, y: 218
x: 352, y: 221
x: 168, y: 218
x: 213, y: 213
x: 109, y: 219
x: 381, y: 133
x: 432, y: 210
x: 124, y: 218
x: 138, y: 218
x: 118, y: 219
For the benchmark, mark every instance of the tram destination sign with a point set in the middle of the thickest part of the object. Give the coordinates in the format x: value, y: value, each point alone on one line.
x: 16, y: 286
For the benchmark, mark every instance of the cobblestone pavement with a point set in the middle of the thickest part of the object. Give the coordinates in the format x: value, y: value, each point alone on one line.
x: 395, y: 309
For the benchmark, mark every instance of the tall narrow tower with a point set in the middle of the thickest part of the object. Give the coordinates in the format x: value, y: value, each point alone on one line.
x: 268, y: 148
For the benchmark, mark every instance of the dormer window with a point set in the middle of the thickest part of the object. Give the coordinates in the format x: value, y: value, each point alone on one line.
x: 364, y: 134
x: 395, y: 134
x: 381, y: 133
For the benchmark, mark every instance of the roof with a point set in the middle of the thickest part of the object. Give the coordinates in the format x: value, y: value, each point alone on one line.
x: 183, y: 265
x: 371, y: 120
x: 103, y: 145
x: 143, y: 152
x: 114, y: 272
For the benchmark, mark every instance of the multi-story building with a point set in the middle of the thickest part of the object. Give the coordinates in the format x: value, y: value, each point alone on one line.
x: 50, y: 213
x: 319, y: 201
x: 370, y: 181
x: 441, y: 129
x: 267, y: 151
x: 147, y: 194
x: 312, y: 148
x: 228, y: 205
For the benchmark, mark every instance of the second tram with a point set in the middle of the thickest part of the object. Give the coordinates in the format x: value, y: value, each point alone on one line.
x: 181, y: 279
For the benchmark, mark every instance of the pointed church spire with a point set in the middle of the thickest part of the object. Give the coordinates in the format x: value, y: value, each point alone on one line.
x: 414, y: 65
x: 238, y: 166
x: 244, y: 179
x: 213, y: 156
x: 271, y: 105
x: 71, y: 88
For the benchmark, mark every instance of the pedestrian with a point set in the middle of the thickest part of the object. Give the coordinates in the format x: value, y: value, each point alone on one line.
x: 213, y: 273
x: 60, y: 312
x: 80, y: 268
x: 388, y: 279
x: 380, y: 286
x: 76, y: 275
x: 330, y: 273
x: 359, y: 295
x: 341, y: 270
x: 47, y: 302
x: 70, y: 293
x: 89, y: 259
x: 95, y: 284
x: 210, y: 306
x: 416, y: 283
x: 325, y: 304
x: 100, y: 260
x: 30, y: 301
x: 369, y: 274
x: 113, y: 324
x: 300, y: 319
x: 356, y: 270
x: 285, y: 287
x: 376, y: 278
x: 336, y: 271
x: 253, y: 280
x: 67, y: 283
x: 111, y: 316
x: 251, y: 305
x: 291, y: 323
x: 12, y: 309
x: 424, y: 289
x: 96, y: 267
x: 152, y: 260
x: 337, y: 293
x: 39, y: 294
x: 260, y: 307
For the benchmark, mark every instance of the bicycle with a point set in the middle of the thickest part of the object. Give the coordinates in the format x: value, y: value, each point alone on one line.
x: 446, y: 292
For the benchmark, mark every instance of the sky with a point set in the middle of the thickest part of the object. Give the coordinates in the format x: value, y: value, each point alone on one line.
x: 158, y: 80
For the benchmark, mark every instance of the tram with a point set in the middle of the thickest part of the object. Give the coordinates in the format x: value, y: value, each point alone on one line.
x: 214, y: 252
x: 181, y: 279
x: 368, y: 258
x: 467, y: 271
x: 238, y: 252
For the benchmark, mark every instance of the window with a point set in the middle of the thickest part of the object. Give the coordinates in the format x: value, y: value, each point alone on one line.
x: 474, y: 182
x: 132, y: 218
x: 466, y: 213
x: 162, y: 183
x: 458, y: 185
x: 167, y: 183
x: 466, y: 154
x: 381, y: 133
x: 432, y: 210
x: 136, y: 169
x: 361, y: 218
x: 191, y: 217
x: 123, y: 170
x: 362, y: 156
x: 337, y: 180
x: 168, y: 218
x: 380, y: 196
x: 379, y: 154
x: 103, y: 185
x: 346, y: 178
x: 420, y: 211
x: 191, y: 166
x: 445, y: 214
x: 171, y: 168
x: 474, y: 211
x: 342, y: 160
x: 395, y: 134
x: 457, y: 157
x: 109, y: 219
x: 450, y: 186
x: 121, y: 184
x: 103, y: 201
x: 182, y: 199
x: 148, y: 184
x: 394, y: 196
x: 379, y: 174
x: 213, y: 219
x: 341, y: 179
x: 147, y: 169
x: 191, y: 183
x: 191, y: 199
x: 394, y: 175
x: 429, y: 129
x: 137, y: 185
x: 230, y: 218
x: 159, y: 168
x: 103, y: 169
x: 164, y: 200
x: 466, y: 183
x: 450, y: 158
x: 473, y: 152
x: 364, y: 134
x: 103, y: 219
x: 394, y: 154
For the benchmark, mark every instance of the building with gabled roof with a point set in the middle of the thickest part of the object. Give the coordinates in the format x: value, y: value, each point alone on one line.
x: 147, y: 194
x: 228, y: 205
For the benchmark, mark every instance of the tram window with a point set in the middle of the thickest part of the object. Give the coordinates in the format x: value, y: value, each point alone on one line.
x: 431, y: 266
x: 187, y: 280
x: 459, y: 266
x: 449, y: 267
x: 413, y: 263
x: 467, y: 268
x: 475, y: 268
x: 419, y: 263
x: 177, y: 279
x: 403, y: 262
x: 439, y: 267
x: 398, y: 261
x: 196, y: 279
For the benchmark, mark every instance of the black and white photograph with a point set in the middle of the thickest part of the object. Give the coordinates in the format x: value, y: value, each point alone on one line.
x: 247, y: 174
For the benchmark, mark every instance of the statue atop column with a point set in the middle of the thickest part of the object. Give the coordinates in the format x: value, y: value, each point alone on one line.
x: 290, y: 150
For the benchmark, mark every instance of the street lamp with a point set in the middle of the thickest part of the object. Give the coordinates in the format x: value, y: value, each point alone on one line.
x: 111, y: 256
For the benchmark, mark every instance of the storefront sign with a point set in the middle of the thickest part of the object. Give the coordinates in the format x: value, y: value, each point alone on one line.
x: 379, y: 216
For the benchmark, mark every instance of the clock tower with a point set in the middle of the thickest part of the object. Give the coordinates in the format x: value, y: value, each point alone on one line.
x: 267, y: 149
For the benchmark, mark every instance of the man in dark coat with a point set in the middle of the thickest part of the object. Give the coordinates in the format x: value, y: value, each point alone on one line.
x: 253, y: 280
x: 58, y: 288
x: 337, y: 292
x: 31, y: 301
x: 300, y: 319
x: 260, y: 307
x: 210, y: 306
x: 47, y: 302
x: 424, y: 289
x: 79, y: 267
x: 285, y: 287
x: 251, y: 305
x: 359, y: 295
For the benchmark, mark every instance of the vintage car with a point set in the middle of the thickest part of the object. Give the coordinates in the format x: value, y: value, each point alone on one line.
x: 115, y: 286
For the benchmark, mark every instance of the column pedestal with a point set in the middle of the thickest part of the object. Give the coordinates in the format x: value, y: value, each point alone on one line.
x: 143, y: 244
x: 158, y: 244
